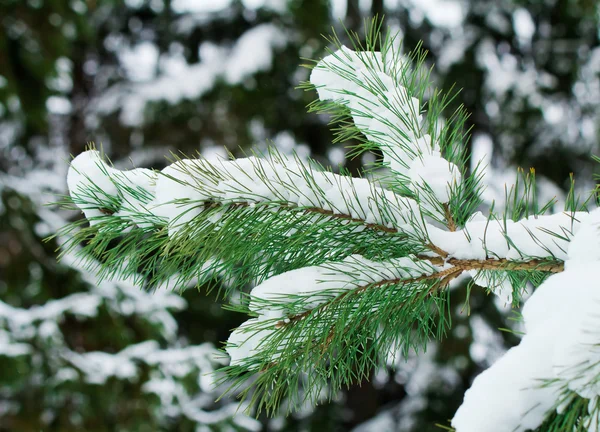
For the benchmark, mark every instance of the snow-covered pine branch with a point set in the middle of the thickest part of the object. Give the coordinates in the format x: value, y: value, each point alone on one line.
x: 240, y: 217
x: 347, y: 269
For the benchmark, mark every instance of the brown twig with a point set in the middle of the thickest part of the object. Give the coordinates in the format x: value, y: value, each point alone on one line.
x: 449, y: 220
x: 377, y: 227
x: 497, y: 264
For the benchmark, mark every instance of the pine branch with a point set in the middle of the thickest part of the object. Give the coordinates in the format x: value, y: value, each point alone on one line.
x: 313, y: 342
x: 449, y: 219
x: 346, y: 270
x: 502, y: 264
x: 308, y: 211
x: 442, y: 278
x: 206, y: 224
x: 330, y: 213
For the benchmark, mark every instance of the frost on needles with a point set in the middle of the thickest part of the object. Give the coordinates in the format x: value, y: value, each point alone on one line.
x: 346, y: 270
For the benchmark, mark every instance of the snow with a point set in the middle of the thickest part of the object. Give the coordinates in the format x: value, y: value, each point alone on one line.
x: 561, y: 343
x: 497, y: 177
x: 81, y: 304
x: 94, y: 185
x: 382, y: 422
x: 194, y: 6
x: 385, y: 112
x: 99, y: 366
x: 418, y: 371
x: 140, y: 61
x: 487, y: 346
x: 508, y: 397
x: 58, y: 105
x: 176, y: 200
x: 524, y: 25
x: 433, y: 173
x: 88, y: 180
x: 253, y: 52
x: 274, y: 5
x: 10, y: 348
x: 213, y: 6
x: 338, y: 9
x: 577, y: 353
x: 441, y: 13
x: 497, y: 282
x: 496, y: 238
x: 313, y: 283
x: 246, y: 341
x: 136, y: 189
x: 583, y: 248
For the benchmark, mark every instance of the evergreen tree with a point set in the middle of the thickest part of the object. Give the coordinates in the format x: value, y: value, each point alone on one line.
x: 79, y: 354
x: 112, y: 357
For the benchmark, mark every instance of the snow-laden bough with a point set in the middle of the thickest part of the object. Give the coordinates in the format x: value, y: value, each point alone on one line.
x: 297, y: 312
x: 560, y: 345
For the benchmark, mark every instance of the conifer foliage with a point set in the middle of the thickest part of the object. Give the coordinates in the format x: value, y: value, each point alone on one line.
x: 347, y: 270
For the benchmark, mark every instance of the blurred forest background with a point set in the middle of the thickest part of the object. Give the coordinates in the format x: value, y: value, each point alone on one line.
x: 143, y: 78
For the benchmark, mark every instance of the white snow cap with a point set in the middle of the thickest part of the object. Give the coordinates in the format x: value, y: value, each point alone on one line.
x: 507, y: 397
x: 245, y: 341
x: 433, y: 173
x: 181, y: 188
x: 585, y: 246
x: 386, y: 114
x: 314, y: 282
x: 93, y: 184
x: 177, y: 195
x: 561, y: 343
x: 89, y: 182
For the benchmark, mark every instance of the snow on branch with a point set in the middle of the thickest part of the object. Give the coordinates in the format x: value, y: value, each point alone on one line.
x: 277, y: 181
x: 380, y: 90
x: 184, y: 189
x: 329, y: 316
x: 292, y: 296
x: 556, y: 362
x: 282, y: 206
